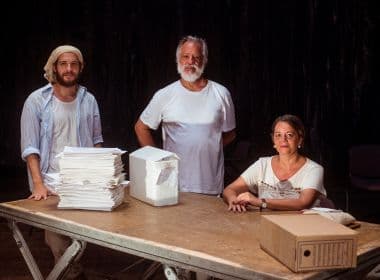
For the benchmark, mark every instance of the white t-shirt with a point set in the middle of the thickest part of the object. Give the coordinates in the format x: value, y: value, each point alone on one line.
x: 192, y: 126
x: 64, y: 130
x: 261, y: 180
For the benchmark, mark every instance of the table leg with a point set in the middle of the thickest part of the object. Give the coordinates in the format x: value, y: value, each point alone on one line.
x: 170, y: 272
x: 374, y: 273
x: 24, y: 249
x: 151, y: 270
x: 72, y: 253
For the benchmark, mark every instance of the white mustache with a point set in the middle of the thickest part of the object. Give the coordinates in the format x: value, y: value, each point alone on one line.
x: 190, y: 66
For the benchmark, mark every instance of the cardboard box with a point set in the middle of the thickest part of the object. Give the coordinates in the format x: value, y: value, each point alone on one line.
x: 153, y: 175
x: 308, y: 242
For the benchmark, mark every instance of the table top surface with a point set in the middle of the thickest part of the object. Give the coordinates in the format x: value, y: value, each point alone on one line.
x: 198, y: 232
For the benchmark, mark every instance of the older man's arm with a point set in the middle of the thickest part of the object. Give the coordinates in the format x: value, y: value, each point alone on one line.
x: 144, y: 134
x: 228, y: 137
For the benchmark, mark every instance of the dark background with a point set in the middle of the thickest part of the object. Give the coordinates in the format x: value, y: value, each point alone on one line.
x: 314, y: 58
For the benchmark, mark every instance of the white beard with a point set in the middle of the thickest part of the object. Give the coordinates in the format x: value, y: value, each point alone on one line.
x: 190, y: 77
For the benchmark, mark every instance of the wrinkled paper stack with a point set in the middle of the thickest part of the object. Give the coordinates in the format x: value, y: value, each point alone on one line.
x: 90, y: 178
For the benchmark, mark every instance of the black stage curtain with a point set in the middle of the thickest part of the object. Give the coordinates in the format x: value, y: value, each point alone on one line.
x: 313, y: 58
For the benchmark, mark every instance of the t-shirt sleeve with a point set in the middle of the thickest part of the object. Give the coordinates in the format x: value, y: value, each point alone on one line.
x: 252, y: 176
x: 313, y: 179
x: 152, y: 114
x: 229, y: 113
x: 230, y: 122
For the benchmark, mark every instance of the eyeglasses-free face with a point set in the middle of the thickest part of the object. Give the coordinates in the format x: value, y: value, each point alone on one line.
x: 284, y: 131
x: 68, y: 60
x: 285, y: 138
x: 71, y: 64
x: 191, y: 54
x: 287, y: 135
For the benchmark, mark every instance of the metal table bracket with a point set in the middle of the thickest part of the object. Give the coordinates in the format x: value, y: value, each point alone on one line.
x: 72, y: 253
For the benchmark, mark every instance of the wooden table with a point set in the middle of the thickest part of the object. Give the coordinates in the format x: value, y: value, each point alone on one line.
x: 197, y: 234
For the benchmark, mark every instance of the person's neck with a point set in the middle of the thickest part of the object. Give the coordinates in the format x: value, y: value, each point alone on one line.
x: 289, y: 161
x: 65, y: 94
x: 197, y: 85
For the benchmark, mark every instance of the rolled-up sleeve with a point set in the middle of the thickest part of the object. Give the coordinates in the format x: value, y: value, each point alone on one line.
x: 97, y: 129
x: 30, y: 130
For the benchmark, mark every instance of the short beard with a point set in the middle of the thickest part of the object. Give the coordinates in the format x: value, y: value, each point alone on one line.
x: 192, y: 77
x: 63, y: 83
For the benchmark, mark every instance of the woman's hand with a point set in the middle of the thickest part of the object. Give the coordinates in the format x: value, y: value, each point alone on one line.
x: 235, y: 206
x: 231, y: 193
x: 248, y: 198
x: 240, y: 202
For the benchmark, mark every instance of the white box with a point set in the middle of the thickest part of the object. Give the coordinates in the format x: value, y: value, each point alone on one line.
x: 153, y: 175
x: 308, y: 242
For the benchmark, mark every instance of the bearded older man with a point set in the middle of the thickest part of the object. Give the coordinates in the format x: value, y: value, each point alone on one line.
x: 62, y: 113
x: 198, y: 120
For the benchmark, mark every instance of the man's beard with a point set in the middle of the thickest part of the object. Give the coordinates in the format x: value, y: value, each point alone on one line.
x: 62, y: 82
x: 190, y: 77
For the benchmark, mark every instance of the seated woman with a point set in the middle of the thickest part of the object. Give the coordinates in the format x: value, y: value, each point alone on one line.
x: 287, y: 181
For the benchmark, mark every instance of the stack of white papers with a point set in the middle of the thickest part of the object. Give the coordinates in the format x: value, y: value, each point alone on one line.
x: 52, y: 181
x: 90, y: 178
